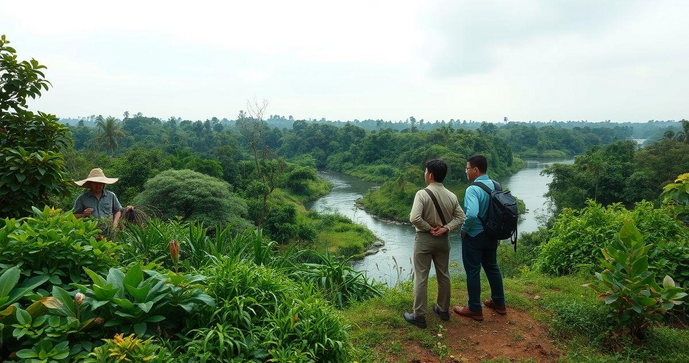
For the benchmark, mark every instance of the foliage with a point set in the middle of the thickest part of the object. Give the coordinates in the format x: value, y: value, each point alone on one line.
x: 131, y: 303
x: 281, y: 223
x: 632, y: 294
x: 133, y: 169
x: 338, y: 281
x: 109, y: 133
x: 44, y: 351
x: 578, y: 235
x: 55, y: 245
x: 337, y: 234
x: 30, y: 143
x: 264, y: 315
x: 194, y: 196
x: 677, y: 191
x: 618, y: 173
x: 129, y: 349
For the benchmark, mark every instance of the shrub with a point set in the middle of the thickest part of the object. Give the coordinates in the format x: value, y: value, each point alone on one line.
x: 583, y: 317
x: 57, y: 245
x: 33, y: 167
x: 264, y: 315
x: 131, y: 303
x: 338, y: 281
x: 129, y: 349
x: 633, y: 297
x: 578, y: 235
x: 195, y: 197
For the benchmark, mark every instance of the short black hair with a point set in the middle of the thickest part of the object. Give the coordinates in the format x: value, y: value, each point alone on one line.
x: 478, y: 161
x: 438, y: 168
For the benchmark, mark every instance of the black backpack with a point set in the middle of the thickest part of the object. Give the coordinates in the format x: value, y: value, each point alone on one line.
x: 502, y: 215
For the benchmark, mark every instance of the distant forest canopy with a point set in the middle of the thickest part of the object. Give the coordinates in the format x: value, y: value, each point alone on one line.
x: 652, y: 129
x: 535, y: 139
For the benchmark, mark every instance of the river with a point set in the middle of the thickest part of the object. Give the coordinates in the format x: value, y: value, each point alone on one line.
x: 392, y: 264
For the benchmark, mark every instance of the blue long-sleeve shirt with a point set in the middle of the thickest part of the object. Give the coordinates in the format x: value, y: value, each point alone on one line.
x: 476, y: 204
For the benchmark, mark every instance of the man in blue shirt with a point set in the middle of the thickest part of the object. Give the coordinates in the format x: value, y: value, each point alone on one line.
x: 478, y: 249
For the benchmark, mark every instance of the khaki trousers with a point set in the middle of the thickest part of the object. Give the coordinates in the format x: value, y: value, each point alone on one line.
x: 428, y: 248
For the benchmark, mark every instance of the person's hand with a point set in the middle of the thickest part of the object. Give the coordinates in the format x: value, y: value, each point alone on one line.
x: 87, y: 212
x: 464, y: 234
x: 439, y: 231
x: 129, y: 207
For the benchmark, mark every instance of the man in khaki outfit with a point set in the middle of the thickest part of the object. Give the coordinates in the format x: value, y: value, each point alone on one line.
x: 432, y: 241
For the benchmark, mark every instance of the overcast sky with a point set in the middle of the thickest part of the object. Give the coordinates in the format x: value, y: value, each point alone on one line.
x: 482, y: 60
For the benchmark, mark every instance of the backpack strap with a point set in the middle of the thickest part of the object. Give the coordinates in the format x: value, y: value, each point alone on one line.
x: 497, y: 186
x: 437, y: 206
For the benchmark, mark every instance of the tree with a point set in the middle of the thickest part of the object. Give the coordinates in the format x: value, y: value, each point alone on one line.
x: 110, y: 131
x: 32, y: 168
x: 194, y: 196
x: 253, y: 128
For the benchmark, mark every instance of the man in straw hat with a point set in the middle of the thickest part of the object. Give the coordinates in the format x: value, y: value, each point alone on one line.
x: 97, y: 202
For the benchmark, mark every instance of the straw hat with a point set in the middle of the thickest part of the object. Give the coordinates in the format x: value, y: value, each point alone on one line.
x: 96, y: 175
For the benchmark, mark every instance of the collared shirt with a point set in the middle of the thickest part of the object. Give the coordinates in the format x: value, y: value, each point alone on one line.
x: 106, y: 206
x: 423, y: 214
x: 476, y: 205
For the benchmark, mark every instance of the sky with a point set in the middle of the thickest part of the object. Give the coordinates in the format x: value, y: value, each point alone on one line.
x: 434, y: 60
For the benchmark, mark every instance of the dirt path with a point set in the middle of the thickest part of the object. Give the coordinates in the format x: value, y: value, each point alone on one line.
x: 515, y: 336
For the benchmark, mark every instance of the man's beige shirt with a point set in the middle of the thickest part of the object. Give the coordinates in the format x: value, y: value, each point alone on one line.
x: 423, y: 214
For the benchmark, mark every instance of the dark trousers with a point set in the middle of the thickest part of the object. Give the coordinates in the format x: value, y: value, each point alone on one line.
x: 478, y: 251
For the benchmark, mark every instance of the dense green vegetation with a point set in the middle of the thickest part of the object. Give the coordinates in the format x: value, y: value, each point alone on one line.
x: 619, y: 172
x: 233, y: 268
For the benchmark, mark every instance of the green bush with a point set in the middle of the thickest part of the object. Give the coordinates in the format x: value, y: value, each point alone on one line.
x: 32, y: 169
x: 631, y: 293
x: 578, y: 235
x: 144, y: 302
x: 57, y: 245
x: 195, y: 197
x: 338, y: 281
x: 264, y: 315
x: 580, y: 317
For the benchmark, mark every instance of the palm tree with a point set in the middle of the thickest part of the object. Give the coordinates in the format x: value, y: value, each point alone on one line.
x: 109, y: 132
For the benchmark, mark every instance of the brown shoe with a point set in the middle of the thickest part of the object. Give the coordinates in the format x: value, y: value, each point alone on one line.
x: 500, y: 309
x: 464, y: 311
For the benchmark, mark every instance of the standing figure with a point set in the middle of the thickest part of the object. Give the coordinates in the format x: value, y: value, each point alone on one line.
x: 432, y: 208
x: 479, y: 249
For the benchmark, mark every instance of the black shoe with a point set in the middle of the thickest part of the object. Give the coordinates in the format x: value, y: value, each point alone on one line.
x: 443, y: 315
x: 420, y: 322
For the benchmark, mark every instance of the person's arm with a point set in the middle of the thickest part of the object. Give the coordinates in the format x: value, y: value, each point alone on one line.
x: 457, y: 217
x: 116, y: 210
x: 79, y: 211
x: 416, y: 215
x: 470, y: 209
x: 116, y: 218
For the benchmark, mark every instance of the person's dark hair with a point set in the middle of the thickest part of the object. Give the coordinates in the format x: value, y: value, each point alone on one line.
x: 478, y: 161
x: 438, y: 168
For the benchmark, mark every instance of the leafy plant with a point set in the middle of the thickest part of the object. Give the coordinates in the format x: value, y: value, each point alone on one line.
x: 136, y: 304
x: 677, y: 191
x: 56, y: 245
x: 633, y: 296
x: 30, y: 143
x: 129, y: 349
x: 338, y: 281
x: 44, y: 352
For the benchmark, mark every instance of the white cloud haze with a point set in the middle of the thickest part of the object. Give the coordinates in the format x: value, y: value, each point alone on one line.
x: 480, y: 60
